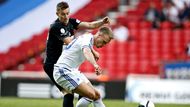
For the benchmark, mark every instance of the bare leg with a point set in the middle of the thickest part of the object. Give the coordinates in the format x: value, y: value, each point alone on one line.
x: 98, y: 103
x: 85, y: 102
x: 86, y: 90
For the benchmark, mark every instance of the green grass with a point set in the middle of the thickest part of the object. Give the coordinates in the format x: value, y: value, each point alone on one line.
x: 26, y: 102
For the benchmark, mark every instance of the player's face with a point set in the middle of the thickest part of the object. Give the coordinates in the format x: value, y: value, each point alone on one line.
x: 64, y: 15
x: 102, y: 40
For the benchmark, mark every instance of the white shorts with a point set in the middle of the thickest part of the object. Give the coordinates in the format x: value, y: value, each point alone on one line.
x: 69, y: 79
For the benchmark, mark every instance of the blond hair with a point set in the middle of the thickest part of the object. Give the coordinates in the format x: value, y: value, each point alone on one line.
x: 106, y: 30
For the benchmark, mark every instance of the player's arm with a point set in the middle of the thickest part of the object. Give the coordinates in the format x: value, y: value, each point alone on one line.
x: 90, y: 57
x: 96, y: 54
x: 94, y: 24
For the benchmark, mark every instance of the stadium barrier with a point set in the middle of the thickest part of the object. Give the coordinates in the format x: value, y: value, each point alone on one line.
x: 38, y: 85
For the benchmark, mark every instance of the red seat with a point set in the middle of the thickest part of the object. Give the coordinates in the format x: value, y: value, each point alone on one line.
x: 145, y: 25
x: 132, y: 25
x: 186, y: 34
x: 186, y: 24
x: 134, y: 32
x: 166, y: 25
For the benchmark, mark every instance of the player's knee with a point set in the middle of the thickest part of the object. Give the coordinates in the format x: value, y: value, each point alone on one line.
x: 97, y: 96
x: 91, y: 95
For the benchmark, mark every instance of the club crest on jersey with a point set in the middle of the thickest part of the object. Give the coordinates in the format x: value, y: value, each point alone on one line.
x: 62, y: 30
x: 78, y: 21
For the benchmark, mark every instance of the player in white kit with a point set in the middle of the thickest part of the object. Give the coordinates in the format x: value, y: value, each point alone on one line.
x: 66, y: 72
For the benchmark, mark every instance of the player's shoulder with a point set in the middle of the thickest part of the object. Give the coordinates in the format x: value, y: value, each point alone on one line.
x: 87, y: 35
x: 73, y: 20
x: 56, y: 24
x: 87, y: 38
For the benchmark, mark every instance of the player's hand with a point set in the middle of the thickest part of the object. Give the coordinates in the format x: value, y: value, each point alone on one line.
x: 98, y: 70
x: 106, y: 20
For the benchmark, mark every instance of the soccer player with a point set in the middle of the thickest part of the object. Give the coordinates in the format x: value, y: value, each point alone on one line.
x: 66, y: 72
x: 60, y: 33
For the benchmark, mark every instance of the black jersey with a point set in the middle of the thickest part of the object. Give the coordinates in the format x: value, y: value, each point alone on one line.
x: 57, y: 32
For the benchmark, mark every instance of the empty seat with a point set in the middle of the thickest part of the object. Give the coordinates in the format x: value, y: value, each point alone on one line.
x: 166, y: 25
x: 186, y: 24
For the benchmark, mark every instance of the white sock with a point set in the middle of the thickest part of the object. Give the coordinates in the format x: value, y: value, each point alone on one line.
x: 83, y: 102
x: 98, y: 103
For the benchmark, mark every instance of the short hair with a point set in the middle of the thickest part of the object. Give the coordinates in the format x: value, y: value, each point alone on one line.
x: 107, y: 31
x: 62, y: 5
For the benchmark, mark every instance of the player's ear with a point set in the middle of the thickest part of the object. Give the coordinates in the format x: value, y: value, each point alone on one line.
x: 57, y: 13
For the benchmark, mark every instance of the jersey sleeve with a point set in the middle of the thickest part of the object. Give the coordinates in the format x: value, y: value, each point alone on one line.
x: 60, y: 32
x: 75, y: 22
x: 87, y: 41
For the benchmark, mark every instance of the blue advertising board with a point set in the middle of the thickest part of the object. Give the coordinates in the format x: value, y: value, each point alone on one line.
x: 177, y: 70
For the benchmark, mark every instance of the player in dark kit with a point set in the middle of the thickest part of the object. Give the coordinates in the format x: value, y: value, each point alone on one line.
x: 61, y: 32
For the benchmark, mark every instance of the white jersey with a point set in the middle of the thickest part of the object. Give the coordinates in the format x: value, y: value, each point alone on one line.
x: 72, y: 56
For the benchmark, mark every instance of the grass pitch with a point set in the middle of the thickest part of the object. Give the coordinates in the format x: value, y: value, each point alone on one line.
x: 28, y: 102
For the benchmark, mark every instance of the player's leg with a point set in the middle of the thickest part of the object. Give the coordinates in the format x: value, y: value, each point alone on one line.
x: 85, y: 102
x: 85, y: 90
x: 71, y: 81
x: 68, y: 98
x: 99, y: 102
